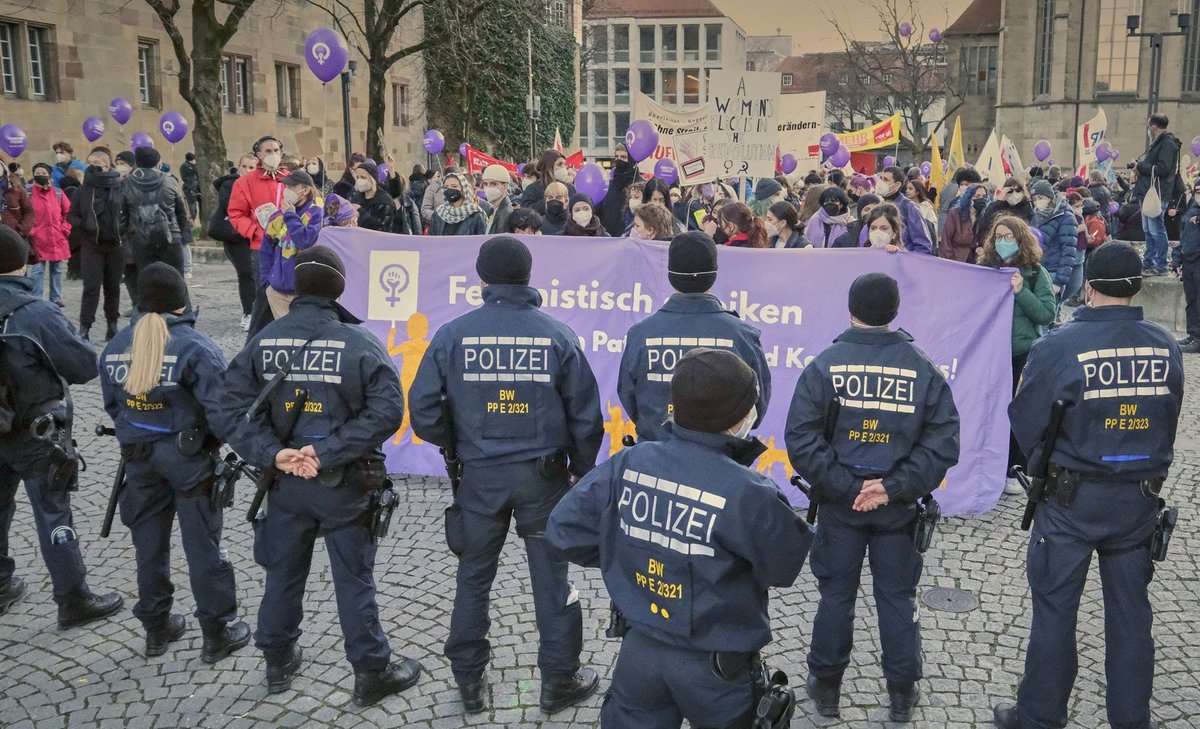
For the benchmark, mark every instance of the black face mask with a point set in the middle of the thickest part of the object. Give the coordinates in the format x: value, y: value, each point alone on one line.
x: 41, y: 180
x: 978, y: 205
x: 555, y: 208
x: 452, y: 196
x: 832, y: 208
x: 720, y: 237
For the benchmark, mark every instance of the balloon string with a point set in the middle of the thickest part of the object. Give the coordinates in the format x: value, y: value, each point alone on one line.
x: 324, y: 117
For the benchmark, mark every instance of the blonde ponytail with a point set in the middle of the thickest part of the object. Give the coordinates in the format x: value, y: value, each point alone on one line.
x: 150, y: 337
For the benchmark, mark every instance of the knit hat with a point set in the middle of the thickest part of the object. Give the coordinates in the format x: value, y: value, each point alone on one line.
x: 1043, y: 188
x: 874, y: 299
x: 126, y: 157
x: 869, y: 198
x: 496, y: 173
x: 580, y: 197
x: 1090, y: 206
x: 319, y: 272
x: 371, y: 168
x: 712, y: 390
x: 765, y: 189
x: 161, y: 289
x: 14, y: 251
x: 299, y: 177
x: 692, y: 262
x: 146, y: 157
x: 1115, y: 269
x: 42, y: 166
x: 504, y: 260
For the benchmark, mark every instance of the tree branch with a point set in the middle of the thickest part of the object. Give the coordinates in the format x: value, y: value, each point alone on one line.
x: 166, y: 10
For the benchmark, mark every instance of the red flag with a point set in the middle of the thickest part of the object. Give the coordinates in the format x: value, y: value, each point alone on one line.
x: 575, y: 161
x: 477, y: 161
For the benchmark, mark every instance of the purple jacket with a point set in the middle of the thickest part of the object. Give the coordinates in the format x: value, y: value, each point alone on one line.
x: 286, y: 235
x: 916, y: 230
x: 814, y: 231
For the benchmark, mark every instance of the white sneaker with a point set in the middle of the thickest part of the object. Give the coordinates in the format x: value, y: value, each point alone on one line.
x: 187, y: 276
x: 246, y: 323
x: 1012, y: 487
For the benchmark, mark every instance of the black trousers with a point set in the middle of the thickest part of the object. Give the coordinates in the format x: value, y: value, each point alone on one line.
x: 100, y: 268
x: 240, y: 255
x: 1015, y: 456
x: 1190, y: 273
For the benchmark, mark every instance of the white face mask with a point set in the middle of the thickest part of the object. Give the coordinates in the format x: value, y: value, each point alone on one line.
x: 527, y: 181
x: 493, y: 193
x: 123, y: 169
x: 772, y: 230
x: 313, y: 168
x: 879, y: 238
x: 271, y: 161
x: 1042, y: 204
x: 634, y: 204
x: 1014, y: 198
x: 362, y: 184
x: 743, y: 429
x: 61, y: 156
x: 560, y: 174
x: 290, y: 196
x: 883, y: 189
x: 582, y: 217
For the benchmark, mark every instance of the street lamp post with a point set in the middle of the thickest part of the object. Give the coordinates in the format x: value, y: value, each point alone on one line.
x: 1132, y: 22
x: 353, y: 66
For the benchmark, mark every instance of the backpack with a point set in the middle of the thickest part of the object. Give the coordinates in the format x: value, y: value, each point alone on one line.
x: 11, y: 411
x: 149, y: 225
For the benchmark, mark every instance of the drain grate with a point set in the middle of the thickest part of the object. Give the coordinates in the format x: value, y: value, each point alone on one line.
x: 949, y: 600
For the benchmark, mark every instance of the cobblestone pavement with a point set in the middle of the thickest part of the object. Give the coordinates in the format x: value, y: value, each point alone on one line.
x: 97, y: 677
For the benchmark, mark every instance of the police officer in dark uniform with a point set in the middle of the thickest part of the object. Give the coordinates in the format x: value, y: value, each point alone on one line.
x: 692, y: 317
x: 525, y: 417
x: 873, y: 429
x: 688, y: 539
x: 1121, y: 379
x: 346, y: 394
x: 41, y: 356
x: 161, y: 381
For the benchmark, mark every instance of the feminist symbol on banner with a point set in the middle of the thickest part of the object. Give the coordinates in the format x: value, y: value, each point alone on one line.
x: 394, y: 280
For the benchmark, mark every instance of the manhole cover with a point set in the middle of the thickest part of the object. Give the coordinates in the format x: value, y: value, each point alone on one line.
x: 949, y: 600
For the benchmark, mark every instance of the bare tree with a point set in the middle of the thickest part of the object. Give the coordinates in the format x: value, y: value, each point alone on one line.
x: 905, y: 75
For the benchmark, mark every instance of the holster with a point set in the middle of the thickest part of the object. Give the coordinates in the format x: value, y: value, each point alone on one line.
x: 456, y: 531
x: 774, y: 700
x: 929, y: 512
x: 383, y: 506
x: 553, y: 466
x: 1161, y: 538
x: 1062, y: 484
x: 190, y: 442
x: 617, y: 625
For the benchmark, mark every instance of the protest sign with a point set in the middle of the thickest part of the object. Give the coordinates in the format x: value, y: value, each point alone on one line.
x: 690, y: 126
x: 743, y: 126
x: 801, y: 124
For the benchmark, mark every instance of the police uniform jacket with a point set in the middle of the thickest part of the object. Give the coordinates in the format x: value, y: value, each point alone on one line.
x: 354, y: 403
x: 1122, y: 380
x: 688, y: 539
x: 518, y: 383
x: 188, y: 395
x: 895, y: 420
x: 38, y: 390
x: 656, y: 343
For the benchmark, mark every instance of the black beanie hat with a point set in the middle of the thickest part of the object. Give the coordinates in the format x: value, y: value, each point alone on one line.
x: 712, y: 390
x: 580, y: 197
x: 371, y: 168
x: 874, y: 299
x: 126, y: 157
x: 692, y: 262
x: 161, y: 289
x: 1115, y: 269
x: 146, y: 157
x: 14, y: 251
x: 319, y: 272
x: 504, y: 260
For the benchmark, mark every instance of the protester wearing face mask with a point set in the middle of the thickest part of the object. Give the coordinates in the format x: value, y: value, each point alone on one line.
x: 831, y: 219
x: 633, y: 201
x: 557, y: 197
x: 856, y: 233
x: 124, y: 163
x: 884, y: 229
x: 49, y: 233
x: 236, y: 245
x: 960, y: 233
x: 292, y: 229
x: 459, y: 214
x: 652, y: 221
x: 495, y: 185
x: 611, y: 210
x: 1010, y: 199
x: 551, y: 168
x: 251, y: 192
x: 376, y: 209
x: 1186, y: 263
x: 1055, y: 220
x: 95, y: 217
x: 916, y: 233
x: 1011, y: 244
x: 811, y: 202
x: 65, y: 164
x: 345, y: 184
x: 583, y: 221
x: 783, y: 227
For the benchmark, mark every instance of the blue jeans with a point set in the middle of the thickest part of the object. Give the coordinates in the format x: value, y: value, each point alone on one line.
x: 1156, y: 242
x: 37, y: 273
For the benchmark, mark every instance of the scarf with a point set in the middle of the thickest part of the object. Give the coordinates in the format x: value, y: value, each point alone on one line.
x: 454, y: 215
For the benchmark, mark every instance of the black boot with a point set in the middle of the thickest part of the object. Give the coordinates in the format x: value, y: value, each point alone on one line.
x: 111, y: 330
x: 904, y: 697
x: 220, y: 640
x: 475, y: 696
x: 158, y: 636
x: 84, y: 610
x: 10, y: 593
x: 281, y: 669
x: 826, y: 693
x: 558, y: 695
x: 371, y: 686
x: 85, y: 333
x: 1005, y: 717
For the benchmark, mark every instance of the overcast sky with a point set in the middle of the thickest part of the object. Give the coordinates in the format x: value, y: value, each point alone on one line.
x: 805, y: 20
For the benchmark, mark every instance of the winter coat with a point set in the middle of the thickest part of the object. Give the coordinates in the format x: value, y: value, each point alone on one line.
x: 344, y: 187
x: 685, y: 212
x: 795, y: 240
x: 500, y: 216
x: 287, y: 234
x: 250, y: 191
x: 96, y: 209
x: 377, y: 212
x: 916, y: 232
x: 1176, y: 200
x: 1059, y: 235
x: 1097, y: 231
x: 1129, y: 223
x: 593, y: 230
x: 58, y: 170
x: 958, y: 237
x: 1033, y: 307
x: 998, y: 208
x: 220, y: 228
x: 851, y: 238
x: 191, y: 180
x: 475, y: 224
x: 1160, y: 162
x: 1189, y: 237
x: 416, y: 189
x: 612, y: 208
x: 145, y: 185
x: 823, y: 229
x: 50, y: 226
x: 16, y: 211
x: 431, y: 198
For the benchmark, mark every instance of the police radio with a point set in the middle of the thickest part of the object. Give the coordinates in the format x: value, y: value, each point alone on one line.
x: 777, y: 705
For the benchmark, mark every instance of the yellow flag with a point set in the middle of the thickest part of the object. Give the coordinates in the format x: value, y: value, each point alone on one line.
x: 937, y: 178
x: 957, y: 157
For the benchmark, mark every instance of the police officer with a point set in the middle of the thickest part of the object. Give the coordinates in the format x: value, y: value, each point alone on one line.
x: 688, y: 539
x: 690, y: 316
x: 161, y: 384
x: 1121, y: 379
x: 39, y: 356
x: 526, y: 420
x: 345, y: 395
x: 873, y: 429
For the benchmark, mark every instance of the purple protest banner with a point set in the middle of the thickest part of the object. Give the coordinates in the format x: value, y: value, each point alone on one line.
x: 405, y: 287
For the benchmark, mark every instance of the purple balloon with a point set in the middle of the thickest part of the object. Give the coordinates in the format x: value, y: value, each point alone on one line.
x: 326, y: 54
x: 906, y: 29
x: 481, y: 195
x: 12, y: 140
x: 926, y: 168
x: 840, y: 158
x: 889, y: 161
x: 664, y: 169
x: 520, y: 169
x: 381, y: 171
x: 93, y: 128
x: 945, y: 166
x: 120, y: 110
x: 462, y: 149
x: 1041, y: 150
x: 1196, y: 146
x: 641, y: 139
x: 141, y: 139
x: 1104, y: 151
x: 1116, y: 155
x: 935, y: 35
x: 173, y: 127
x: 433, y: 142
x: 788, y: 164
x: 1041, y: 239
x: 1113, y: 207
x: 829, y: 143
x: 591, y: 181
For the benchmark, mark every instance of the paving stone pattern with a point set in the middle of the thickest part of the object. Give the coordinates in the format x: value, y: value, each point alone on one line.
x: 97, y: 676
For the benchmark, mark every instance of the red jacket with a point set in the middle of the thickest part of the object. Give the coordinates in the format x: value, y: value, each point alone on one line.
x: 50, y: 226
x: 249, y: 191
